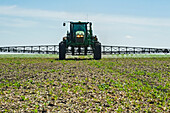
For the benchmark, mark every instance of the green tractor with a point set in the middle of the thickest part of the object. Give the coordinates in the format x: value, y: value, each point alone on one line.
x: 80, y: 41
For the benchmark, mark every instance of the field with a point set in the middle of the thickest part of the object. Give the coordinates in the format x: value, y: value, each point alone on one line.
x: 46, y: 84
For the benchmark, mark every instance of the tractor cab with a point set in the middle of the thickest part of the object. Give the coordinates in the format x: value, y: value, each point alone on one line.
x: 78, y: 32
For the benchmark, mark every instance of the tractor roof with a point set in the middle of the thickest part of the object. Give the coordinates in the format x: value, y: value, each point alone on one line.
x: 79, y: 22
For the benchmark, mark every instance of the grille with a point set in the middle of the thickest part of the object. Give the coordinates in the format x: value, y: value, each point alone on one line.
x: 80, y: 40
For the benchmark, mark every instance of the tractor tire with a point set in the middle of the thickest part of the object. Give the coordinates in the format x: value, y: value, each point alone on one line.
x: 85, y: 50
x: 62, y: 51
x: 97, y: 51
x: 72, y: 50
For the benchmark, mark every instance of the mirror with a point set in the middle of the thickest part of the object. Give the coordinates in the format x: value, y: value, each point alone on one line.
x: 64, y: 24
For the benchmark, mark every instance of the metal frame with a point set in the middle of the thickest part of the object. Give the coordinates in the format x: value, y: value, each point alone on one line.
x: 54, y: 49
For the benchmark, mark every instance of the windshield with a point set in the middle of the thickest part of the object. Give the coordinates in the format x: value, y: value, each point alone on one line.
x: 79, y: 29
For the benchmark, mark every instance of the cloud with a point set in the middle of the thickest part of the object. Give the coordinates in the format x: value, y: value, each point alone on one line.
x: 100, y: 18
x: 5, y: 8
x: 16, y: 22
x: 5, y: 32
x: 129, y: 37
x: 21, y: 12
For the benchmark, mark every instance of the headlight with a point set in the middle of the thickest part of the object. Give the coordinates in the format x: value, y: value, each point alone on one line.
x: 78, y: 36
x: 82, y: 36
x: 64, y: 38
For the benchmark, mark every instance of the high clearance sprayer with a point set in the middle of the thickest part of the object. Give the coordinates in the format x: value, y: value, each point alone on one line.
x: 81, y: 40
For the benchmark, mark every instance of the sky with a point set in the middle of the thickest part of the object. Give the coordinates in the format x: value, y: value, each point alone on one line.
x: 141, y: 23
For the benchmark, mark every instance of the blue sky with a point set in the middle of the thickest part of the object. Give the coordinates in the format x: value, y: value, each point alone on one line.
x: 116, y: 22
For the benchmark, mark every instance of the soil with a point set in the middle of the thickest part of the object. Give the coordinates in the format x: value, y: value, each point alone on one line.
x: 84, y: 85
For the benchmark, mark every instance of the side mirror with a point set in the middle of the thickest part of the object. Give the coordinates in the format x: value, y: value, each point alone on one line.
x: 64, y: 24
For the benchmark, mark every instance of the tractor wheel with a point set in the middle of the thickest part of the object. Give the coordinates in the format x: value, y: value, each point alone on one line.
x: 62, y: 51
x: 79, y: 50
x: 97, y: 51
x: 72, y: 50
x: 85, y: 50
